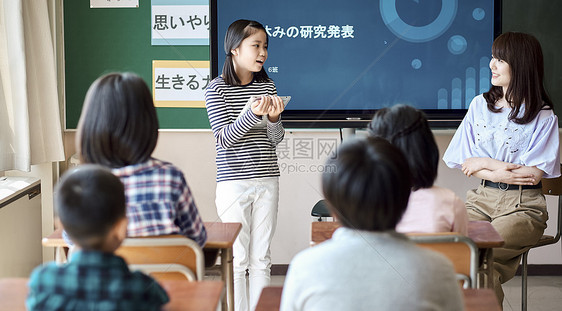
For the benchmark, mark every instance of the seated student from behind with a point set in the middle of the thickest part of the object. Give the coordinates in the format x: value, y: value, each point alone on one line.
x: 118, y: 128
x: 430, y: 208
x: 90, y: 203
x: 367, y: 265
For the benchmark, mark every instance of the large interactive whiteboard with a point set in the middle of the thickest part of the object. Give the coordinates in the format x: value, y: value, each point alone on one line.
x: 343, y: 60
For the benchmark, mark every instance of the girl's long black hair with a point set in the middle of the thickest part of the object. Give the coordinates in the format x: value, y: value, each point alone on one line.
x: 236, y: 33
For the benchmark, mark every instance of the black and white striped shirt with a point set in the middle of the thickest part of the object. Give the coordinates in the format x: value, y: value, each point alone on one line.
x: 244, y: 148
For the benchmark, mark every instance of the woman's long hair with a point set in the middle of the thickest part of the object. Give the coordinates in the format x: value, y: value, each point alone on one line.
x: 524, y: 55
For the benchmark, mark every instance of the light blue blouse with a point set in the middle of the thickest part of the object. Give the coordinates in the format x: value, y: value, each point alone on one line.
x: 483, y: 133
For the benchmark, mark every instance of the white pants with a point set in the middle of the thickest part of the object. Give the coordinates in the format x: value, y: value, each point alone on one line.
x: 252, y: 202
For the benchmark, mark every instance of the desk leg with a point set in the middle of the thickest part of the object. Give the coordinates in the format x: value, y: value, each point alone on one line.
x: 490, y: 268
x: 60, y: 255
x: 486, y: 273
x: 228, y: 278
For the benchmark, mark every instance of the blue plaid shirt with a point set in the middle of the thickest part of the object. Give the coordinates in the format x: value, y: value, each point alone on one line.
x: 159, y: 201
x: 93, y: 281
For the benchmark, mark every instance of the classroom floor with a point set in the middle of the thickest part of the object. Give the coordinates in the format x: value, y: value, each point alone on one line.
x: 544, y: 292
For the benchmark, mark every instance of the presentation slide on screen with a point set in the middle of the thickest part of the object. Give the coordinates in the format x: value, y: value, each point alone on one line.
x: 366, y: 54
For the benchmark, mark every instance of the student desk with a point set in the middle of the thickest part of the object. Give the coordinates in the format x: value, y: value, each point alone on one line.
x: 482, y: 233
x: 486, y: 239
x: 474, y: 299
x: 220, y: 236
x: 184, y: 295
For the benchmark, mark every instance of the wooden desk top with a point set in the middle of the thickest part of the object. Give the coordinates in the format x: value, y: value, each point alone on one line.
x: 184, y: 295
x: 222, y: 234
x: 13, y: 293
x: 322, y: 231
x: 484, y: 235
x: 54, y: 239
x: 219, y: 235
x: 270, y: 299
x: 481, y: 232
x: 481, y: 299
x: 474, y: 299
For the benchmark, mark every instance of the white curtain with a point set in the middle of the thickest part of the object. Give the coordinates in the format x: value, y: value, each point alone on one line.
x: 30, y: 127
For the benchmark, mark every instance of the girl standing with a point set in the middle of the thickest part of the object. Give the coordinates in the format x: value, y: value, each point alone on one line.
x: 509, y: 139
x: 247, y: 170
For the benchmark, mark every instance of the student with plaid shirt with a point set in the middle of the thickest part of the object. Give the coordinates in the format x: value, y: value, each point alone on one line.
x: 90, y: 203
x: 118, y: 129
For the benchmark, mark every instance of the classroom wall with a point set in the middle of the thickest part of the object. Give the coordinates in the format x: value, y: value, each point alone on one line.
x: 194, y: 153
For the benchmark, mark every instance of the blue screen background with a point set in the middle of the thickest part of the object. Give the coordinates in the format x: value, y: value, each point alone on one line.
x: 426, y: 53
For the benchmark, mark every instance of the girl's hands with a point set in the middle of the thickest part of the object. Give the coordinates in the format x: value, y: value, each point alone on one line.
x: 260, y: 107
x: 272, y: 106
x: 275, y: 108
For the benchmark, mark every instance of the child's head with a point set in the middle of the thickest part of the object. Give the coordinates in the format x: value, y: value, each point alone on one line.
x: 118, y: 125
x: 407, y: 128
x: 251, y: 55
x: 90, y: 202
x: 369, y: 187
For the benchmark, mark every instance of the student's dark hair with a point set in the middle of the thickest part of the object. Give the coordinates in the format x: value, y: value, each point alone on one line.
x: 523, y: 53
x: 236, y: 33
x: 407, y: 128
x: 367, y: 185
x: 89, y: 201
x: 118, y: 125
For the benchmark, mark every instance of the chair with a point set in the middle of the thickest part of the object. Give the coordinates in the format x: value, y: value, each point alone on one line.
x: 156, y: 269
x: 320, y: 210
x: 165, y: 253
x: 459, y: 249
x: 550, y: 186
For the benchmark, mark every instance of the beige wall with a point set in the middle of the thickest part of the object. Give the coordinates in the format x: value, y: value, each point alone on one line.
x: 194, y: 153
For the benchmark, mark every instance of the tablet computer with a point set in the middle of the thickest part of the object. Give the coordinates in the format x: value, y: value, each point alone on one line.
x: 253, y: 98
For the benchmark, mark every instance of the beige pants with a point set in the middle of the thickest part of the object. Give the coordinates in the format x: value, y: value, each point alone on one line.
x: 520, y: 218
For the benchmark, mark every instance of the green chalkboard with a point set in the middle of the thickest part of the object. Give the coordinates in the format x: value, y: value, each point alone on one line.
x: 542, y: 19
x: 99, y: 41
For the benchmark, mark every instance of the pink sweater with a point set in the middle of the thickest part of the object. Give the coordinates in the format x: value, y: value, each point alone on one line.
x: 434, y: 209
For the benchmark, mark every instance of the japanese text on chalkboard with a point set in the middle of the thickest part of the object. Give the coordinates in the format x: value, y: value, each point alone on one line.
x: 180, y: 83
x: 164, y: 22
x: 179, y: 24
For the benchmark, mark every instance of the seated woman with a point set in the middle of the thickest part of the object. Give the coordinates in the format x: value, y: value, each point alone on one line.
x: 367, y: 265
x: 431, y: 208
